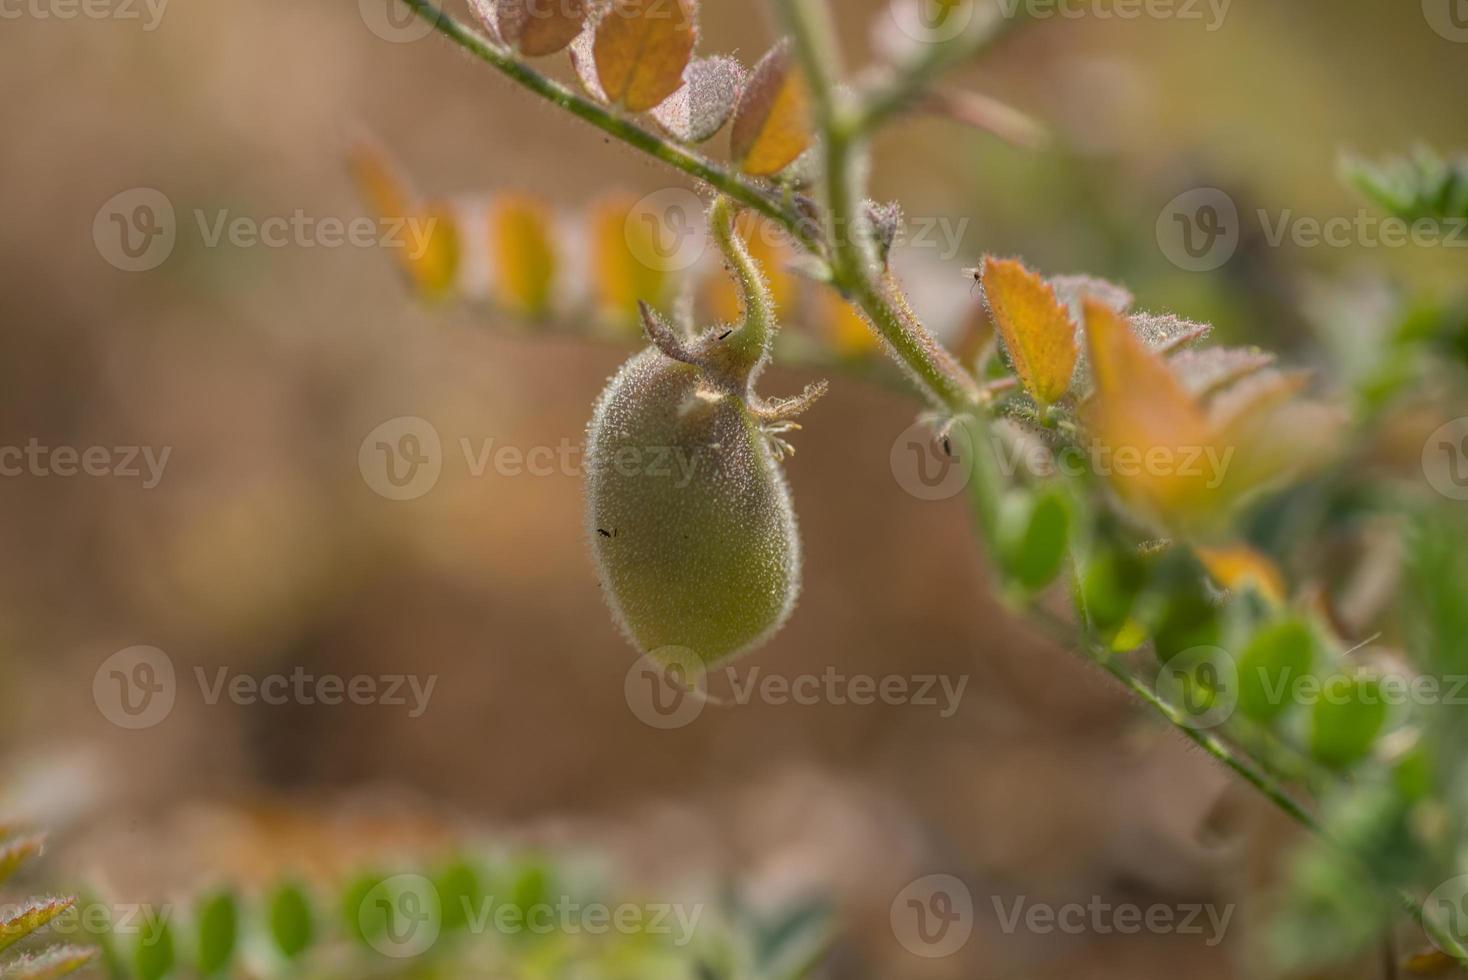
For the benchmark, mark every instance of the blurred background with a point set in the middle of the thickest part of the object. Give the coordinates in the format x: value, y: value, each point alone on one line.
x: 259, y: 548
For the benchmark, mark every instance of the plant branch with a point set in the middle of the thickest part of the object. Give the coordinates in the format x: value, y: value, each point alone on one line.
x: 1245, y: 767
x: 735, y: 185
x: 852, y: 259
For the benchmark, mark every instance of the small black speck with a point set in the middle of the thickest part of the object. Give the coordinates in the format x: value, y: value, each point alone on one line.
x: 725, y: 334
x: 947, y: 447
x: 605, y: 533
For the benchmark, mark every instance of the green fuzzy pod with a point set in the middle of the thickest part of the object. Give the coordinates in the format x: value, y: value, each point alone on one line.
x: 688, y: 512
x: 690, y: 518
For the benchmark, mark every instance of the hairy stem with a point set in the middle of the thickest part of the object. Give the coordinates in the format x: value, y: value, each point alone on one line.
x: 853, y: 264
x: 736, y: 186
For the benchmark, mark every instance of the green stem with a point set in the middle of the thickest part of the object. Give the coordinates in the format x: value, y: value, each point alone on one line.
x: 751, y: 342
x: 1251, y: 771
x: 736, y: 186
x: 853, y: 263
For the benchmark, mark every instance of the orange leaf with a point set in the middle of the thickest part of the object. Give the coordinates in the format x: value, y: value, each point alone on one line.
x: 428, y: 232
x: 642, y: 48
x: 541, y: 27
x: 524, y: 255
x: 1237, y: 567
x: 1152, y: 429
x: 1037, y: 330
x: 772, y: 126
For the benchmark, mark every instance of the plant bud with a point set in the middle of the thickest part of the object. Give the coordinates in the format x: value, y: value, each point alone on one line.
x: 688, y: 512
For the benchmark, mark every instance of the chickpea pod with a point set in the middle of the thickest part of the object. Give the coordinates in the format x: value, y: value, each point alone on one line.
x: 688, y: 512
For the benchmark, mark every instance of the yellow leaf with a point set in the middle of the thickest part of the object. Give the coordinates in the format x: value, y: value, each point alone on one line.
x: 1238, y: 567
x: 524, y: 255
x: 772, y: 126
x: 434, y: 269
x: 642, y: 48
x: 848, y: 331
x: 1036, y: 327
x: 620, y: 279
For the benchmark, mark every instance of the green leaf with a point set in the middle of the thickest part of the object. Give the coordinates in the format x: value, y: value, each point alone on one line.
x: 1277, y: 656
x: 1035, y: 537
x: 31, y: 916
x: 1189, y: 619
x: 1413, y: 188
x: 292, y: 922
x: 55, y: 962
x: 1110, y: 585
x: 153, y: 956
x: 1348, y: 716
x: 217, y: 921
x: 459, y: 890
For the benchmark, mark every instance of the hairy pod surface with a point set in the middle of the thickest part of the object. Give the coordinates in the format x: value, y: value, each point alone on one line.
x: 691, y: 521
x: 689, y: 516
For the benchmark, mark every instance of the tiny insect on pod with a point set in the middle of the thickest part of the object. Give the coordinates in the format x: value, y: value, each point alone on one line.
x: 688, y: 512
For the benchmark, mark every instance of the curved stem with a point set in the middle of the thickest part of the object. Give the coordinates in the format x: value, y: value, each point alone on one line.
x: 752, y: 341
